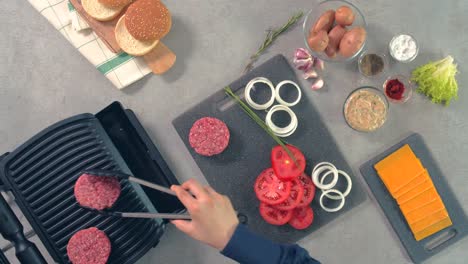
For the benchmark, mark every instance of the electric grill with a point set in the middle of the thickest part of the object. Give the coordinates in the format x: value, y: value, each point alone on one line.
x: 41, y: 174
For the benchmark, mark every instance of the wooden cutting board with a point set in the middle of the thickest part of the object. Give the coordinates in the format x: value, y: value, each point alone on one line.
x: 159, y: 60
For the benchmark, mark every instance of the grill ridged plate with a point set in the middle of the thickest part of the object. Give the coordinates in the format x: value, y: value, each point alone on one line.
x: 42, y: 173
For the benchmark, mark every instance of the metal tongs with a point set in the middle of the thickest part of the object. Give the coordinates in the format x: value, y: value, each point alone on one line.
x: 151, y: 185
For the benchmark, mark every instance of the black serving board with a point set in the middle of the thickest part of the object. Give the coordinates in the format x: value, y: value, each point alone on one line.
x: 418, y: 251
x: 234, y: 171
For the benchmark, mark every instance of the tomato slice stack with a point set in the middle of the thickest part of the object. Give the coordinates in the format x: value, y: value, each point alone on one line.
x: 269, y: 189
x: 309, y: 190
x: 302, y: 217
x: 284, y: 166
x: 295, y: 196
x: 285, y: 191
x: 275, y: 216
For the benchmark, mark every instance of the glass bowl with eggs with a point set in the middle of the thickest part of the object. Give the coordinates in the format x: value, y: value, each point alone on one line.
x: 335, y: 31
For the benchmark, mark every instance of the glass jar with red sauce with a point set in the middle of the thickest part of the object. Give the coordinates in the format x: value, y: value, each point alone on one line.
x: 398, y: 89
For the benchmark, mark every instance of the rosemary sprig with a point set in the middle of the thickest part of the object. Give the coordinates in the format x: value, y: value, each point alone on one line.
x: 271, y: 36
x: 259, y: 121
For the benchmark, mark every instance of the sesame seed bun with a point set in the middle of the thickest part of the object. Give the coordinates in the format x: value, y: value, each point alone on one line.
x: 148, y: 19
x: 129, y: 44
x: 115, y: 3
x: 100, y: 12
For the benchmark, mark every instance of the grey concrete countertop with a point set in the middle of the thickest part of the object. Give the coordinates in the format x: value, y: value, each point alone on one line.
x: 44, y: 79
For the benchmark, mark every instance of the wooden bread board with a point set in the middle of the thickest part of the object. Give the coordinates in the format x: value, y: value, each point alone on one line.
x: 159, y: 60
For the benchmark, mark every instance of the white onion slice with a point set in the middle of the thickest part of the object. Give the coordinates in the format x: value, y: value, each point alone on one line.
x: 282, y: 131
x: 330, y: 170
x: 280, y: 100
x: 323, y: 163
x: 249, y: 87
x: 348, y: 188
x: 336, y: 209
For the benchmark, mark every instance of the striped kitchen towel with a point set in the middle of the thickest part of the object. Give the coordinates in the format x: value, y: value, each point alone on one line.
x: 121, y: 69
x: 78, y: 23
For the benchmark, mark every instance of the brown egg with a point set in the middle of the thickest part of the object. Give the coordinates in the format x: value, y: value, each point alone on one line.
x: 319, y: 41
x: 334, y: 37
x: 344, y: 16
x: 325, y: 22
x: 352, y: 41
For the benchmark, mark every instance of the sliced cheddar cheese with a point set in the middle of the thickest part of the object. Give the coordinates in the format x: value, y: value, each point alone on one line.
x: 428, y: 221
x: 429, y: 231
x: 415, y: 191
x: 399, y: 169
x: 411, y: 186
x: 424, y: 211
x: 424, y: 176
x: 395, y: 157
x: 420, y: 201
x: 399, y: 176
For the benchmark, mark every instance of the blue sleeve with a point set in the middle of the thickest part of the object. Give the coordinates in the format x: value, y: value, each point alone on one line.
x: 246, y: 247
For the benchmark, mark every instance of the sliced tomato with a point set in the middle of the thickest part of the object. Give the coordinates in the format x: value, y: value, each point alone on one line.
x: 309, y: 190
x: 273, y: 215
x: 271, y: 190
x: 295, y: 197
x: 302, y: 217
x: 284, y: 166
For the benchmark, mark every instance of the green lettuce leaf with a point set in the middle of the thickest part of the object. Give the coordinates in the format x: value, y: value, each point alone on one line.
x: 437, y: 80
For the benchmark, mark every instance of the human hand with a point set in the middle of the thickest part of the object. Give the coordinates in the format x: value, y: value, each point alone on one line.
x: 213, y: 217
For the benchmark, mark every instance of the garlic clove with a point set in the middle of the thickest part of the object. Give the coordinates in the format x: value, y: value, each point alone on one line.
x: 302, y: 54
x: 319, y: 64
x: 303, y: 64
x: 318, y: 84
x: 311, y: 73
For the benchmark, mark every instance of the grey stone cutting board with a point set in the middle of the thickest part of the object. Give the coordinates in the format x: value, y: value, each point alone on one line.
x: 234, y: 171
x: 418, y: 251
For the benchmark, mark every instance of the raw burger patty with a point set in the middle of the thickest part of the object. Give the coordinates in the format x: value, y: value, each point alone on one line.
x: 98, y: 192
x: 89, y: 246
x: 209, y: 136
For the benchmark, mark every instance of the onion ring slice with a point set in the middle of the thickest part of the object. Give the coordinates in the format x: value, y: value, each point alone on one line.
x: 318, y: 171
x: 348, y: 188
x: 282, y: 131
x: 283, y: 102
x: 251, y: 85
x: 336, y: 209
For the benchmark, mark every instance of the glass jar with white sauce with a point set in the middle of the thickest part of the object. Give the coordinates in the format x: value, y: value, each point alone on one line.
x: 403, y: 48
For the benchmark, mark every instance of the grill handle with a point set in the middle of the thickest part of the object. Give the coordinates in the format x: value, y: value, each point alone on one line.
x: 12, y: 230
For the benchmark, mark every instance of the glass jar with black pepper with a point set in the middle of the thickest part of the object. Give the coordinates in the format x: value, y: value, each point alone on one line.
x: 372, y: 64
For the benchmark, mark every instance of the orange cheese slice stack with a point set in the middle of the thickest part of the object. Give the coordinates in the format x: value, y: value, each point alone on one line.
x: 399, y: 169
x: 424, y: 176
x: 411, y: 186
x: 421, y: 212
x: 414, y: 192
x: 433, y: 229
